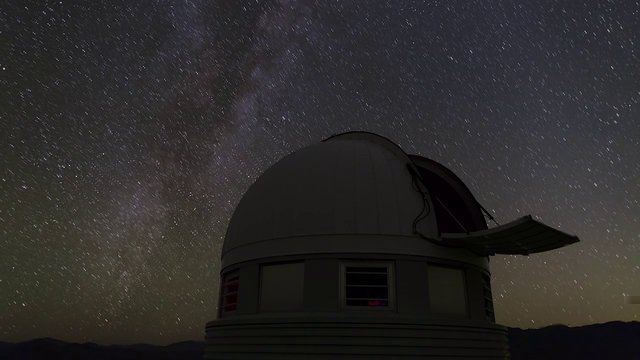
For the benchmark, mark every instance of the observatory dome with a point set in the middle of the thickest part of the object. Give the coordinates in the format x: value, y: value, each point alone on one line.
x: 351, y: 184
x: 354, y: 236
x: 356, y: 183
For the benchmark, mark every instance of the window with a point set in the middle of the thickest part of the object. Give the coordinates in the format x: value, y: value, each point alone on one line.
x: 281, y: 287
x: 447, y: 290
x: 367, y: 285
x: 229, y: 293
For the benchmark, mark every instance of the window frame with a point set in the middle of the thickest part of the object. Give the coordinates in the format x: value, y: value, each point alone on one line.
x: 391, y: 280
x: 227, y: 277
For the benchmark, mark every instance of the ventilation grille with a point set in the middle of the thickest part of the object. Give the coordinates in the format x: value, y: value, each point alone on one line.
x: 488, y: 299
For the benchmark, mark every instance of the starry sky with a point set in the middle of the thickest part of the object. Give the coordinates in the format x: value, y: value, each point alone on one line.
x: 130, y: 130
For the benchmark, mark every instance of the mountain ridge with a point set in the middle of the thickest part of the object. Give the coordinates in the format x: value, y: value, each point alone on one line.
x: 610, y: 340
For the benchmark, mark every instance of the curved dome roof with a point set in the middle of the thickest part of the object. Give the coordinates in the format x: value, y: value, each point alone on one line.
x: 353, y: 183
x: 360, y: 193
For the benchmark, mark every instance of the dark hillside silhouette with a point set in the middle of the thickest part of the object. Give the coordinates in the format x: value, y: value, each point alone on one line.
x: 612, y: 340
x: 53, y: 349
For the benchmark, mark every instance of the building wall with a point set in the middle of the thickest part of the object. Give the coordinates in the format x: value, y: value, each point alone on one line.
x: 412, y: 298
x: 322, y: 285
x: 324, y: 328
x: 322, y: 293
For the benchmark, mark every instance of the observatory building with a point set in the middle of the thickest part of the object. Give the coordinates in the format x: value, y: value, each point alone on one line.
x: 353, y: 249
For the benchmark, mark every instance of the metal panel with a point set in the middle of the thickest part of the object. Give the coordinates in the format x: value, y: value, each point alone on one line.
x: 523, y: 236
x: 281, y: 287
x: 447, y: 290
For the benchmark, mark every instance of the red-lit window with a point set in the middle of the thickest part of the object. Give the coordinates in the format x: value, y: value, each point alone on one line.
x: 230, y: 286
x: 367, y: 285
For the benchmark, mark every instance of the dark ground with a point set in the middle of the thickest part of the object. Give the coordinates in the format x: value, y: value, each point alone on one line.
x: 612, y: 340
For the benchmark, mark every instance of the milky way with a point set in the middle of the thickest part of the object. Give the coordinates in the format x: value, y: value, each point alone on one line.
x: 129, y: 132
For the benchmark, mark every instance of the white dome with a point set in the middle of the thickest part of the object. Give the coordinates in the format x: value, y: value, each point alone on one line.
x: 354, y: 183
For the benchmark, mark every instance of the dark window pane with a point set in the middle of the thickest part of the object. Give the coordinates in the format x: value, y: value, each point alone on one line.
x: 366, y: 279
x: 447, y: 290
x: 367, y: 292
x: 282, y: 287
x: 351, y: 302
x: 351, y: 269
x: 366, y: 286
x: 365, y: 302
x: 231, y: 299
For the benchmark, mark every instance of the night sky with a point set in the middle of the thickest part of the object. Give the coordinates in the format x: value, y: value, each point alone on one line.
x: 129, y: 132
